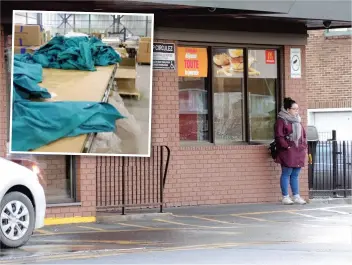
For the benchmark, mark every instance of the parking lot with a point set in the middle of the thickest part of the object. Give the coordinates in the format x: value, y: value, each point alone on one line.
x: 312, y: 231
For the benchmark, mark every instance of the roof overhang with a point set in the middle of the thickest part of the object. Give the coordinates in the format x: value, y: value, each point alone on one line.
x: 310, y: 13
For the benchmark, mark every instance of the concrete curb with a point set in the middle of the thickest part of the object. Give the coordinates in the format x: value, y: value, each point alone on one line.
x: 111, y: 218
x: 322, y: 201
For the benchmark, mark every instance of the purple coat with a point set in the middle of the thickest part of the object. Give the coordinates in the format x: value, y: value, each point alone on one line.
x: 295, y: 156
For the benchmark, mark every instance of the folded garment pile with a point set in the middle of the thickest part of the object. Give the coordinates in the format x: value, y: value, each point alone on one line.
x: 37, y: 123
x: 74, y: 53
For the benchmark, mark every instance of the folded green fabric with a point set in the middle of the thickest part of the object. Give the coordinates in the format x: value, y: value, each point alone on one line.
x: 79, y: 53
x: 39, y: 123
x: 35, y: 124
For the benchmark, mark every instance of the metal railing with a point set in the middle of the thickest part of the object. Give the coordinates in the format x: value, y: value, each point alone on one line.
x: 325, y: 136
x: 123, y: 182
x: 331, y: 170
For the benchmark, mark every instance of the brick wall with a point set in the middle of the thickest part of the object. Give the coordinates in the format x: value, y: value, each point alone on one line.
x: 329, y: 71
x: 217, y: 174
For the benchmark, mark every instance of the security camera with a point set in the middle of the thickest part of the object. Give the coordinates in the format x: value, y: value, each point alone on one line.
x: 327, y: 23
x: 211, y: 9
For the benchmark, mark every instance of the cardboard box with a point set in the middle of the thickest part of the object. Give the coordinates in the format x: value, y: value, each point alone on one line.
x: 127, y: 85
x: 146, y: 39
x: 144, y: 47
x: 143, y: 57
x: 126, y: 72
x: 128, y: 62
x: 25, y: 49
x: 28, y: 35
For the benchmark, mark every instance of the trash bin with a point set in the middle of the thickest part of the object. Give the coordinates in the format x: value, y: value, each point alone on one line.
x: 312, y: 139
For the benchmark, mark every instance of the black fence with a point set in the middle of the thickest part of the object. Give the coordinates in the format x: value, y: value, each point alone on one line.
x: 123, y: 182
x: 330, y: 173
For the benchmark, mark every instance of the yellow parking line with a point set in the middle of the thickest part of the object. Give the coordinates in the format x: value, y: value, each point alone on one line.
x: 215, y: 220
x: 92, y: 228
x: 179, y: 223
x: 253, y: 218
x: 44, y: 232
x: 133, y: 225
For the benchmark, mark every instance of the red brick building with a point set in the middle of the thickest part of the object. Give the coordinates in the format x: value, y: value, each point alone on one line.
x: 223, y: 164
x: 329, y: 81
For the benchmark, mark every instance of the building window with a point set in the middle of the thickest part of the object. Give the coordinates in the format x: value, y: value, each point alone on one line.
x: 229, y: 105
x: 338, y: 32
x: 262, y: 93
x: 227, y: 65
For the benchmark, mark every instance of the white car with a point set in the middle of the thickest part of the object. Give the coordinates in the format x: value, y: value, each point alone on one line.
x: 22, y: 201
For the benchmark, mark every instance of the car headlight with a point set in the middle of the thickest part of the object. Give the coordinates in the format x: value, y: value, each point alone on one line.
x: 36, y: 169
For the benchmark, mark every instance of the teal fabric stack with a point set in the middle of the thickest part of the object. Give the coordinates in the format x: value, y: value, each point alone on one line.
x: 37, y: 123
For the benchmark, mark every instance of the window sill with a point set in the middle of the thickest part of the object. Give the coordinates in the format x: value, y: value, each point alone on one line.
x: 69, y: 204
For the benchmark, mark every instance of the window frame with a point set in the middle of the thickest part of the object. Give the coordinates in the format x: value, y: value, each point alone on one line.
x: 210, y: 46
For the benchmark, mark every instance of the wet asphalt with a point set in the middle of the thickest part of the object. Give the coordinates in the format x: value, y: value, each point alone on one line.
x: 240, y: 234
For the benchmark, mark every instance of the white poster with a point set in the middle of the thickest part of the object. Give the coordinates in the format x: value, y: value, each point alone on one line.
x: 295, y: 62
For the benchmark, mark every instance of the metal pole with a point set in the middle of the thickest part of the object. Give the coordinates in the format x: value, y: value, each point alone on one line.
x: 334, y: 161
x: 123, y: 185
x: 89, y: 24
x: 344, y: 156
x: 146, y: 27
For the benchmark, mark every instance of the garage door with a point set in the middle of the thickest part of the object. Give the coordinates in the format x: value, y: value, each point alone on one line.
x: 339, y: 121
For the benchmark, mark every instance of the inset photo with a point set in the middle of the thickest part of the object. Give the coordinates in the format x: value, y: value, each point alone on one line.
x: 81, y: 83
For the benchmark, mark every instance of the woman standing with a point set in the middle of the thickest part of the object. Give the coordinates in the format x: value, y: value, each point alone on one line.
x: 291, y: 142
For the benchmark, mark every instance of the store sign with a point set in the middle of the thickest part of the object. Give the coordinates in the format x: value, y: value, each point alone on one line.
x: 295, y: 61
x: 192, y: 62
x: 270, y: 56
x: 164, y: 56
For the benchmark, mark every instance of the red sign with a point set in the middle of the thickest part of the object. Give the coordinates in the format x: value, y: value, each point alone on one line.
x: 270, y: 56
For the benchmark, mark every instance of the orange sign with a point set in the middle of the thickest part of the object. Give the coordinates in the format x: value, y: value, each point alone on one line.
x: 192, y: 62
x: 270, y: 57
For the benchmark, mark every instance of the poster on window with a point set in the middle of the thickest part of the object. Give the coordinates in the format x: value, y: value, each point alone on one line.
x: 192, y: 62
x: 229, y: 63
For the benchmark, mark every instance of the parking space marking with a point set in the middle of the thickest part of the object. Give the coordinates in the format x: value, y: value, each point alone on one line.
x: 334, y: 211
x: 184, y: 224
x: 253, y: 218
x: 117, y: 242
x: 279, y: 211
x: 215, y: 220
x: 44, y: 232
x: 138, y: 226
x: 114, y: 252
x: 308, y: 215
x: 92, y: 228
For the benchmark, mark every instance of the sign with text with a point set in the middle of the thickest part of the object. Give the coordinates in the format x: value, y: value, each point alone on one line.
x: 295, y: 62
x: 164, y: 56
x: 192, y: 62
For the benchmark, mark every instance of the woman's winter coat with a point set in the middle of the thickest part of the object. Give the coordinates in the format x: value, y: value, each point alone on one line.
x: 294, y: 156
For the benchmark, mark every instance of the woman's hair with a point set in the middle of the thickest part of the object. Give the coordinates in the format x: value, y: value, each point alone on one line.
x: 288, y: 102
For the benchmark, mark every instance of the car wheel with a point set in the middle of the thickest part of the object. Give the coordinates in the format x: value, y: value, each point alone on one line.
x: 17, y: 220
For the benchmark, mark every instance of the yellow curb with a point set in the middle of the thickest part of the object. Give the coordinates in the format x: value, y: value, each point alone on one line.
x: 69, y: 220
